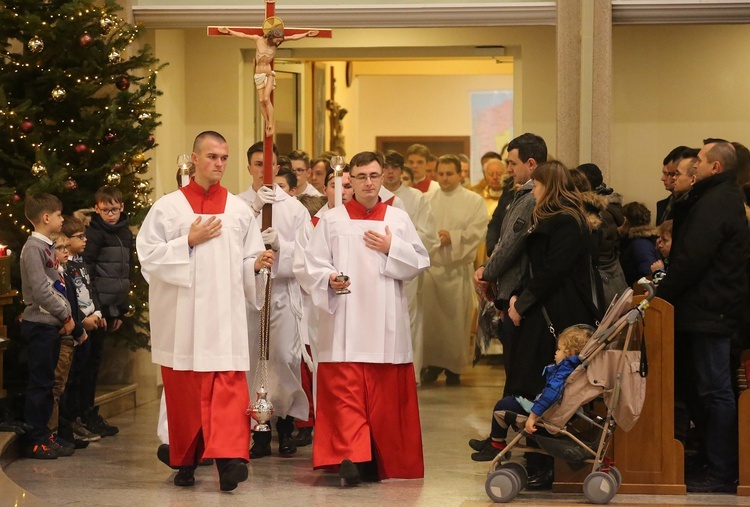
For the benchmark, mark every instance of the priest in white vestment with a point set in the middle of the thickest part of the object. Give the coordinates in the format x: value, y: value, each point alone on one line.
x: 417, y: 205
x: 285, y: 345
x: 461, y: 221
x: 199, y: 250
x: 367, y: 412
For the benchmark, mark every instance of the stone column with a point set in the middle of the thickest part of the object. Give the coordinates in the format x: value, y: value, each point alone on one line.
x: 584, y: 82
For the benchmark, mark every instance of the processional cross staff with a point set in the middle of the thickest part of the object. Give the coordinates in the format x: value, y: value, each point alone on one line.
x: 267, y: 39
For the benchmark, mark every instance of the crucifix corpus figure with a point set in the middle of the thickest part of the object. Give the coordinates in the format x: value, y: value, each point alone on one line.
x: 265, y: 51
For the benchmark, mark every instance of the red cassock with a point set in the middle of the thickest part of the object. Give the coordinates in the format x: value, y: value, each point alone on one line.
x: 366, y: 405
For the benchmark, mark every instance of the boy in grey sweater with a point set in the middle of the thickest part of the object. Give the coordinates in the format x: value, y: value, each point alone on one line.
x: 47, y: 317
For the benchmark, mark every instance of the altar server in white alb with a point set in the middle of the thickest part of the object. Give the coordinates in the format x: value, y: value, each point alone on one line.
x: 367, y: 413
x: 285, y: 345
x: 200, y: 251
x: 461, y: 221
x: 417, y: 205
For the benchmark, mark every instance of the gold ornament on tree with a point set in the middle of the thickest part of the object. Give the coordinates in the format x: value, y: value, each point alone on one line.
x: 138, y: 159
x: 113, y: 179
x: 58, y: 93
x: 144, y: 116
x: 38, y: 169
x: 114, y: 56
x: 36, y: 45
x: 143, y: 168
x: 107, y: 23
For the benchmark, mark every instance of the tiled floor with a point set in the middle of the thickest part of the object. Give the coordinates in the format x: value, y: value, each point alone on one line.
x: 123, y: 470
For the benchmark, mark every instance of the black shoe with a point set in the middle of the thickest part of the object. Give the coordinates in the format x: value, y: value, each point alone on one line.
x: 541, y: 480
x: 185, y: 476
x: 41, y: 451
x: 261, y: 444
x: 369, y: 471
x: 303, y: 437
x: 486, y: 453
x: 452, y: 379
x: 80, y: 444
x: 477, y: 444
x: 349, y: 473
x: 287, y: 447
x: 430, y: 374
x: 231, y: 473
x: 163, y: 454
x: 707, y: 483
x: 98, y: 424
x: 62, y: 446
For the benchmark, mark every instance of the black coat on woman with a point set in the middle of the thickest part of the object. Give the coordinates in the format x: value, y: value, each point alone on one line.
x: 560, y: 280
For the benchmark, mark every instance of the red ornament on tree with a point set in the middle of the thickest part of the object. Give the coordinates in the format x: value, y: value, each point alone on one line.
x: 70, y: 184
x: 85, y: 40
x: 16, y: 198
x: 27, y: 126
x: 81, y: 148
x: 110, y: 137
x: 150, y: 141
x: 122, y: 83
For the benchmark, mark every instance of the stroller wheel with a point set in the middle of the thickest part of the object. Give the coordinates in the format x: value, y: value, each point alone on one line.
x: 599, y: 487
x: 614, y: 472
x: 518, y: 469
x: 502, y: 485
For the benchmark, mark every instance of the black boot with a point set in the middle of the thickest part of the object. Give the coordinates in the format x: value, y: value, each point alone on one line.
x: 163, y: 454
x: 261, y: 444
x: 285, y: 427
x: 349, y: 473
x: 231, y: 472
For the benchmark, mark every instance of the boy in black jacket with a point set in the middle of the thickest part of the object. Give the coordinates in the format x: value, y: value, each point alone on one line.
x: 107, y: 255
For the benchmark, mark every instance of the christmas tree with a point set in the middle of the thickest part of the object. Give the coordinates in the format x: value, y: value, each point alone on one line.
x: 76, y: 113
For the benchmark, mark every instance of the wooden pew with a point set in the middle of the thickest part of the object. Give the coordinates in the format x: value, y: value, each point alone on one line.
x: 743, y: 416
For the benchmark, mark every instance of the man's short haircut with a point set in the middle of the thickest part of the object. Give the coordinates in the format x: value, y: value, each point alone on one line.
x: 330, y: 174
x: 284, y: 162
x: 689, y: 153
x: 36, y: 205
x: 207, y: 134
x: 675, y: 155
x: 325, y: 161
x: 490, y: 155
x: 463, y: 158
x: 258, y: 148
x: 724, y: 153
x: 691, y: 170
x: 108, y: 195
x: 592, y: 173
x: 73, y: 225
x: 451, y: 159
x: 637, y: 214
x: 408, y: 171
x: 432, y: 158
x: 418, y: 149
x: 394, y: 159
x: 289, y: 176
x: 312, y: 203
x: 665, y: 228
x: 529, y: 146
x: 366, y: 157
x: 300, y: 155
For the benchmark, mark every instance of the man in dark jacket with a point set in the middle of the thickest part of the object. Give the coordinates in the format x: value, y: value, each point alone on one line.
x: 707, y: 285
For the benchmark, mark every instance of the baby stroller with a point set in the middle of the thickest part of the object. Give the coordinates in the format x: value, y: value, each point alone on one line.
x: 613, y: 370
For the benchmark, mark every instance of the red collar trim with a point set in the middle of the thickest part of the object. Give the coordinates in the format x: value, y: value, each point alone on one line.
x: 424, y: 185
x: 315, y: 221
x: 358, y: 212
x: 211, y: 203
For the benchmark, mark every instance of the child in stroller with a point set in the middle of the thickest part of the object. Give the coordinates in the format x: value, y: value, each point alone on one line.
x: 569, y: 344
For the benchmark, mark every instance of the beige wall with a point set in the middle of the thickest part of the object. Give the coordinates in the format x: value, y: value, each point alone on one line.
x: 208, y: 86
x: 674, y: 85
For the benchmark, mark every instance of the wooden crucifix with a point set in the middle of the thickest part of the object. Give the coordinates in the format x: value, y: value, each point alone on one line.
x: 267, y: 39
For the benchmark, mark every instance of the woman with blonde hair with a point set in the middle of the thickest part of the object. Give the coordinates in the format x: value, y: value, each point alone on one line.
x: 557, y: 291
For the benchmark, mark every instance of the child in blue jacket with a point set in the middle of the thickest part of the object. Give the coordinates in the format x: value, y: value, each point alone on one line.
x: 569, y: 345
